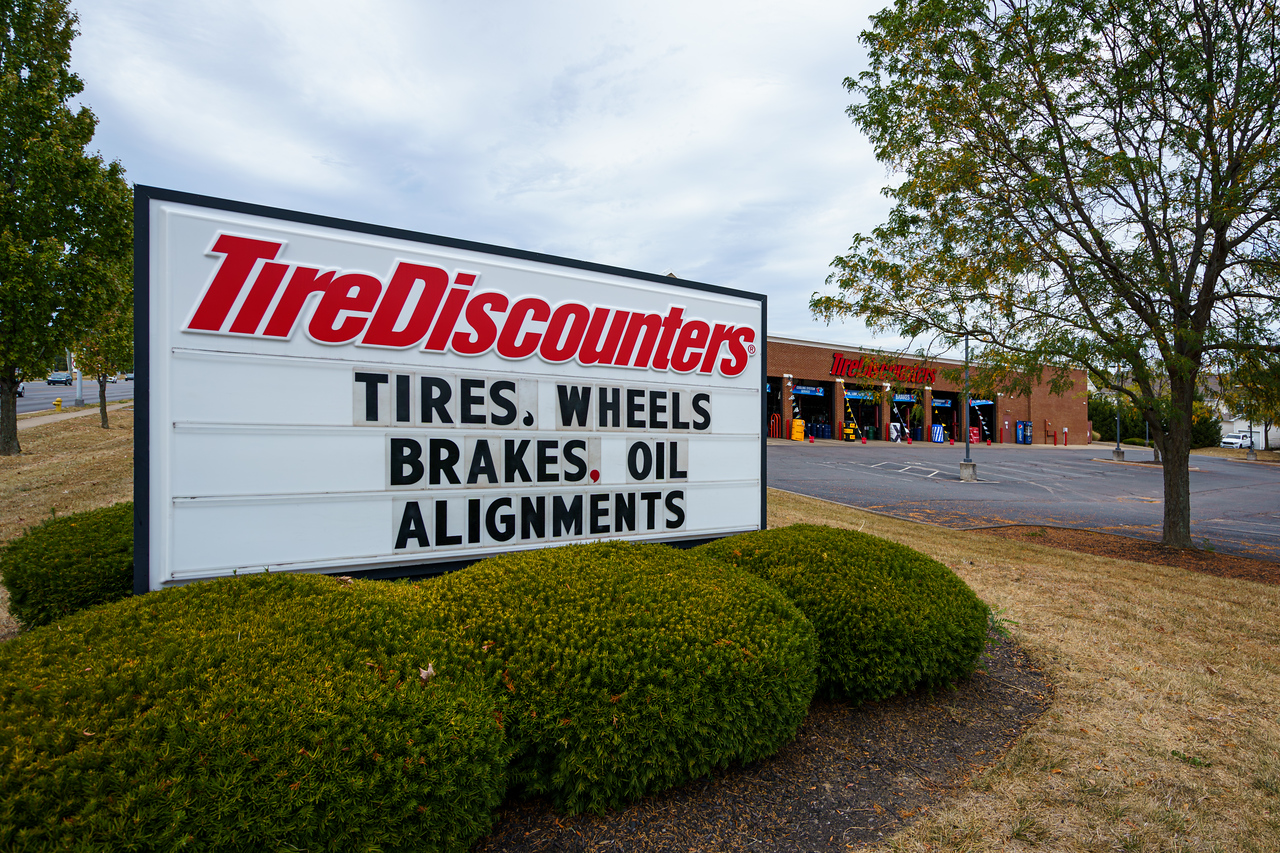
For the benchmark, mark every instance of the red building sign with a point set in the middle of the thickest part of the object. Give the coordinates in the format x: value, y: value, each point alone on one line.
x: 866, y: 367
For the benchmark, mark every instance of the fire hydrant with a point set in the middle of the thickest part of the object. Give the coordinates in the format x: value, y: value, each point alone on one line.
x: 57, y: 404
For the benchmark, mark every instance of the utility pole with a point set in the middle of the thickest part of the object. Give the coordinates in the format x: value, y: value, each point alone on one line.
x: 1117, y: 454
x: 968, y: 469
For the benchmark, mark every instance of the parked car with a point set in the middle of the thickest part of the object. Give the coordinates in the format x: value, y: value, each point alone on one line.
x: 1237, y: 440
x: 111, y: 378
x: 59, y: 378
x: 128, y: 377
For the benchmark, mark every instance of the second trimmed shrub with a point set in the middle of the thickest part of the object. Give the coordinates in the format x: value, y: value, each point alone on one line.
x: 629, y: 669
x: 889, y: 619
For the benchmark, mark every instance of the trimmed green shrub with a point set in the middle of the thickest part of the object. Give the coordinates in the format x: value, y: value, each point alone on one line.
x: 68, y: 564
x: 1136, y: 442
x: 255, y: 713
x: 629, y: 669
x: 889, y: 619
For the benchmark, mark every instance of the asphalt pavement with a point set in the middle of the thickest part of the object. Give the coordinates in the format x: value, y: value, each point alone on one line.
x: 1235, y: 505
x: 40, y: 396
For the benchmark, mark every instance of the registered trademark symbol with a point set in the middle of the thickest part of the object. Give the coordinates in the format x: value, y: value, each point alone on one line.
x: 751, y: 349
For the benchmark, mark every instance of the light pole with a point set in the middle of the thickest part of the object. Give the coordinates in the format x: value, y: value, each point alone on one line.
x: 968, y: 470
x: 1117, y: 454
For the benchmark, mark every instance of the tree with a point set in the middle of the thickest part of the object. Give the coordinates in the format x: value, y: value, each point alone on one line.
x: 1251, y: 387
x: 1089, y: 184
x: 106, y: 351
x: 64, y: 213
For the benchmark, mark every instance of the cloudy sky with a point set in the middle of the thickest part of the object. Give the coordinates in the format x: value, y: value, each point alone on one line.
x: 707, y: 139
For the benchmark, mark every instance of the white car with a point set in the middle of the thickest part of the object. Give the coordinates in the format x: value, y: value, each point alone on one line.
x: 1237, y: 440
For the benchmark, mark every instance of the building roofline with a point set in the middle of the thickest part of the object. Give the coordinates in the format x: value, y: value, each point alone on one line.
x: 863, y: 350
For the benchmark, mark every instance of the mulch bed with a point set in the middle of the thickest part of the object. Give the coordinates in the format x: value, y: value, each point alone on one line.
x: 853, y: 775
x: 1142, y: 551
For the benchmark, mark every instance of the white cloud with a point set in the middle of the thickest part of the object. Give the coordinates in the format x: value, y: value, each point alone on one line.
x: 706, y: 138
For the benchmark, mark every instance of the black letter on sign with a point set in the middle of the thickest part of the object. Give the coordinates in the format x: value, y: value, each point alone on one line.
x: 676, y: 519
x: 482, y: 464
x: 473, y: 520
x: 513, y: 461
x: 639, y: 460
x: 442, y: 526
x: 508, y: 528
x: 609, y: 406
x: 600, y: 510
x: 435, y: 396
x: 572, y: 457
x: 412, y: 526
x: 635, y: 408
x: 508, y: 407
x: 650, y: 498
x: 574, y: 402
x: 402, y: 398
x: 405, y: 454
x: 676, y: 423
x: 701, y: 411
x: 624, y: 511
x: 533, y: 517
x: 470, y: 399
x: 444, y: 456
x: 566, y: 518
x: 547, y: 458
x: 371, y: 382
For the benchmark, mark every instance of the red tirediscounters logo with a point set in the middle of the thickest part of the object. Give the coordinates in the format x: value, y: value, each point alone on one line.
x: 359, y: 308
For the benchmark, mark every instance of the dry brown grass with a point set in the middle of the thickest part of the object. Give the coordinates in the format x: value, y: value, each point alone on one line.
x: 67, y: 466
x: 1236, y: 453
x: 1165, y: 731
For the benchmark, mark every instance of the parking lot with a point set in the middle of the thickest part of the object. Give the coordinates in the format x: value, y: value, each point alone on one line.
x: 40, y: 396
x: 1235, y: 506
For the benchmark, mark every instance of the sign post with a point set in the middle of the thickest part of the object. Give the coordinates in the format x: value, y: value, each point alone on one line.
x: 322, y: 395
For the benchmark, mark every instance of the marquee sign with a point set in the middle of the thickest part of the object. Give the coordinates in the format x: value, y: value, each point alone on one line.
x: 323, y: 395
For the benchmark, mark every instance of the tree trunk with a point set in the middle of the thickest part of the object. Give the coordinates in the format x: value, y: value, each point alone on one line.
x: 102, y: 399
x: 9, y: 411
x: 1177, y: 458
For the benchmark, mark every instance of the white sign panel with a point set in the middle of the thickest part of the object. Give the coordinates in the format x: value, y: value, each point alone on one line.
x: 322, y: 395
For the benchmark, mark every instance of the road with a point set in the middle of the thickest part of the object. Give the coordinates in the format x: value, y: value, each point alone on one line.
x: 1235, y: 506
x: 40, y: 396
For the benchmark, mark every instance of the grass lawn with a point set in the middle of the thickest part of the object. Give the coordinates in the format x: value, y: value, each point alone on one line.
x: 1164, y: 733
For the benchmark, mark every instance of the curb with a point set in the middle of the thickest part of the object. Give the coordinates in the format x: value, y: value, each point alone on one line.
x: 27, y: 423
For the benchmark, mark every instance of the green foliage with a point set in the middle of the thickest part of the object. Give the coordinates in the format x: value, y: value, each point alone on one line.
x: 1206, y: 429
x: 65, y: 214
x: 889, y: 619
x: 256, y: 713
x: 107, y: 350
x: 70, y: 563
x: 628, y: 669
x: 1078, y: 184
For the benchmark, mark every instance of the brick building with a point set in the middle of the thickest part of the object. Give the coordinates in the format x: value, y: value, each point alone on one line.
x: 855, y: 393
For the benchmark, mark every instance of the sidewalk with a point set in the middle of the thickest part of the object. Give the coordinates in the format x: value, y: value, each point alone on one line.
x: 26, y: 423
